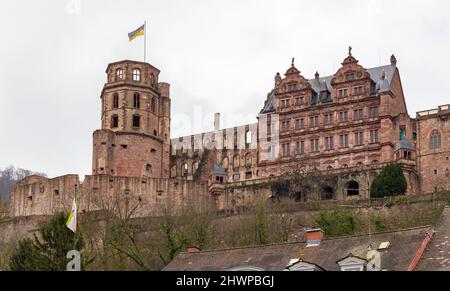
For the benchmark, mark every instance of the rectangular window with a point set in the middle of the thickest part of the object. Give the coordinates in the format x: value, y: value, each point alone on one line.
x: 349, y: 77
x: 285, y: 150
x: 373, y: 112
x: 374, y: 136
x: 315, y: 145
x: 358, y: 114
x: 285, y: 103
x: 329, y: 143
x: 314, y: 121
x: 343, y: 140
x: 285, y: 125
x: 115, y: 122
x: 300, y: 100
x: 343, y: 93
x: 343, y: 116
x: 328, y: 118
x: 359, y: 138
x: 358, y: 90
x: 136, y: 121
x: 300, y: 147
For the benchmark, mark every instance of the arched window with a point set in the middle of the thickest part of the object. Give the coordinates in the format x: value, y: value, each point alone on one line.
x: 119, y: 74
x: 136, y: 121
x: 114, y: 121
x: 136, y: 75
x: 329, y: 168
x: 137, y: 100
x: 352, y: 188
x: 116, y: 101
x: 435, y: 140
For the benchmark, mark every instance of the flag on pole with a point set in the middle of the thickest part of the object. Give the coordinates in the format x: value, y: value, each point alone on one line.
x: 72, y: 220
x: 138, y: 32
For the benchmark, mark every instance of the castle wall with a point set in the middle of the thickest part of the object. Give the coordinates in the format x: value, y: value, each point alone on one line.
x: 37, y: 196
x: 434, y: 164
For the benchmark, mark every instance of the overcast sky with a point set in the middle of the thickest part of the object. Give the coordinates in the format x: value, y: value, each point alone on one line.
x: 219, y: 56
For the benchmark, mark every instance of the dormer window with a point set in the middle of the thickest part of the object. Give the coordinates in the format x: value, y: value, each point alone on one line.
x: 119, y: 74
x: 352, y: 263
x: 358, y: 90
x: 136, y: 75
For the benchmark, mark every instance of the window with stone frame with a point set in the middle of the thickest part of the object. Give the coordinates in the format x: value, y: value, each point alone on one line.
x: 374, y: 136
x: 119, y: 74
x: 114, y: 121
x: 285, y: 125
x: 349, y: 76
x: 300, y: 123
x: 286, y: 150
x: 285, y: 103
x: 359, y: 138
x: 136, y: 100
x: 343, y: 140
x: 136, y: 75
x: 358, y: 114
x: 300, y: 147
x: 136, y: 121
x: 328, y: 118
x: 115, y: 101
x: 373, y: 111
x: 299, y: 100
x: 314, y: 121
x: 314, y: 145
x: 329, y: 143
x: 343, y: 116
x: 359, y: 90
x: 435, y: 140
x: 343, y: 93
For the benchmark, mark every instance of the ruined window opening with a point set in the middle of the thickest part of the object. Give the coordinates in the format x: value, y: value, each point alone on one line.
x: 352, y: 188
x: 102, y: 169
x: 153, y: 151
x: 236, y: 177
x: 140, y: 199
x: 327, y: 193
x: 30, y: 198
x: 435, y: 172
x: 184, y: 170
x: 136, y: 121
x: 248, y: 137
x: 136, y: 75
x: 248, y: 175
x: 136, y: 100
x: 115, y: 121
x: 124, y: 146
x: 56, y: 192
x: 148, y: 168
x: 155, y: 133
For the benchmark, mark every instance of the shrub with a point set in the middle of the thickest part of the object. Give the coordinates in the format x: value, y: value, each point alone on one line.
x: 390, y: 182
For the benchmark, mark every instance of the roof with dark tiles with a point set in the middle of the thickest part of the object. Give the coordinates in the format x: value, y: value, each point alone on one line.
x: 403, y: 247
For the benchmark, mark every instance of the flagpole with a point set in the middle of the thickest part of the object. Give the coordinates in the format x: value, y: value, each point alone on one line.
x: 75, y: 233
x: 145, y: 41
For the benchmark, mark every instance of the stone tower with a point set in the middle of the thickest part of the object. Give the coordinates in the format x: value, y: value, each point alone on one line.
x: 134, y: 139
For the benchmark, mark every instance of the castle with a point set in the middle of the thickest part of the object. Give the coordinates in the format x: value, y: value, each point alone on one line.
x: 345, y: 124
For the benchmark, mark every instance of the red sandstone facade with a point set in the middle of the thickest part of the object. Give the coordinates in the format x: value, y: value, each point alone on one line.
x: 349, y: 124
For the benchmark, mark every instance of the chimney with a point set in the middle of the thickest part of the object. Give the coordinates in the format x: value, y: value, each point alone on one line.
x: 193, y: 250
x: 314, y: 237
x: 217, y: 122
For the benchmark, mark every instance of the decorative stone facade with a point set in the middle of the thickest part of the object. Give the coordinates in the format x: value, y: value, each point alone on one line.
x: 348, y: 125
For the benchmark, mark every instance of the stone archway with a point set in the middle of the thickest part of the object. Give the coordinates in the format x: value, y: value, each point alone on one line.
x: 327, y: 193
